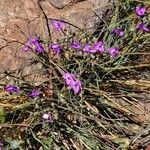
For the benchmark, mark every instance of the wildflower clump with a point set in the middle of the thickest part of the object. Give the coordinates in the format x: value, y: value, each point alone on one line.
x: 97, y: 47
x: 88, y: 89
x: 141, y: 12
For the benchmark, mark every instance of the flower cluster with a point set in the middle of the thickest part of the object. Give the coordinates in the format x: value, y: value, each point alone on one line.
x: 100, y: 48
x: 34, y: 44
x: 13, y: 89
x: 72, y: 82
x: 96, y: 47
x: 87, y: 48
x: 141, y: 11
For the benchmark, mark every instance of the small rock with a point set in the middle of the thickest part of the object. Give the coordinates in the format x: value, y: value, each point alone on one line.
x: 62, y: 3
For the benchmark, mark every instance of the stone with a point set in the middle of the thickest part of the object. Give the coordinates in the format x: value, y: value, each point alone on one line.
x: 62, y: 3
x: 100, y: 3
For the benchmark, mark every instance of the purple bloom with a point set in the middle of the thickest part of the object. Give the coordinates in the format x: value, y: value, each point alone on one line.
x: 140, y: 10
x: 99, y: 47
x: 58, y: 25
x: 35, y: 93
x: 76, y: 87
x: 56, y: 48
x: 48, y: 117
x: 33, y: 43
x: 12, y: 89
x: 89, y: 49
x: 26, y: 47
x: 142, y: 27
x: 72, y: 82
x: 1, y: 144
x: 118, y: 32
x: 76, y: 45
x: 113, y: 52
x: 69, y: 78
x: 37, y: 46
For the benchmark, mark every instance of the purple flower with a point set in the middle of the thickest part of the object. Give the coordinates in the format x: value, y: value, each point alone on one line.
x: 26, y: 47
x: 33, y: 43
x: 118, y: 32
x: 72, y: 82
x: 76, y: 87
x: 56, y: 48
x: 143, y: 27
x: 37, y: 46
x: 58, y: 25
x: 89, y: 49
x: 48, y: 117
x: 1, y: 145
x: 35, y: 93
x: 76, y: 45
x: 69, y: 78
x: 113, y: 52
x: 140, y: 10
x: 99, y: 47
x: 12, y: 89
